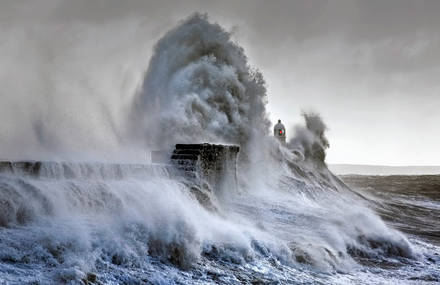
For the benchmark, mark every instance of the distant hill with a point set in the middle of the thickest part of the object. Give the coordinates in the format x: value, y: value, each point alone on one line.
x: 343, y: 169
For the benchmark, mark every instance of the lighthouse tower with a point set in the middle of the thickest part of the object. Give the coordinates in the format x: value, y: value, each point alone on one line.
x: 279, y: 131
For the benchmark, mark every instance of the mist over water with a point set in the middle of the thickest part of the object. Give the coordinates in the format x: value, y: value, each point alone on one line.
x: 67, y: 89
x: 290, y: 220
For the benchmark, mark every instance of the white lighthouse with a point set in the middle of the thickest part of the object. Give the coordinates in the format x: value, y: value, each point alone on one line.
x: 279, y: 131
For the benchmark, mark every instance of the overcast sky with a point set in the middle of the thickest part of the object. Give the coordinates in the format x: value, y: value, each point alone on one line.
x: 370, y: 68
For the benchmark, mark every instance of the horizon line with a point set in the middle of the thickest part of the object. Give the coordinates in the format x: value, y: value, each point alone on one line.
x: 381, y: 165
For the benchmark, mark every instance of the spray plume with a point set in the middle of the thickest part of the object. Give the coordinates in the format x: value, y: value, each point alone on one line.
x: 200, y: 87
x: 310, y: 140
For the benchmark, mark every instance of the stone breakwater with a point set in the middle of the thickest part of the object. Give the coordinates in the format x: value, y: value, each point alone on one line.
x: 210, y: 163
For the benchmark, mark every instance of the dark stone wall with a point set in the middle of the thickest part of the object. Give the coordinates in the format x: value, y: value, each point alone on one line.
x: 211, y: 163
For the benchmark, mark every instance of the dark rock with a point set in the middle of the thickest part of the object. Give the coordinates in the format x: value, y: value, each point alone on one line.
x: 117, y: 259
x: 91, y: 277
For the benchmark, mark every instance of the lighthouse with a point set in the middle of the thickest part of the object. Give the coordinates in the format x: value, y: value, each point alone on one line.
x: 279, y: 132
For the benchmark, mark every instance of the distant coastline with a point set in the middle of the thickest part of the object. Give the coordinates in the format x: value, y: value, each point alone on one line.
x: 345, y: 169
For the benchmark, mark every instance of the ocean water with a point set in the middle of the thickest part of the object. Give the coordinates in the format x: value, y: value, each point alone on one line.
x: 409, y: 203
x: 131, y: 226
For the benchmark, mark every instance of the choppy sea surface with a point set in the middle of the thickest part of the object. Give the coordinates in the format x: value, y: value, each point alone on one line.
x: 291, y: 226
x: 408, y: 203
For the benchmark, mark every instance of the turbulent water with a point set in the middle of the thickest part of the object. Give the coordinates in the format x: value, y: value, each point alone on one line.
x: 136, y: 225
x: 288, y: 220
x: 409, y: 203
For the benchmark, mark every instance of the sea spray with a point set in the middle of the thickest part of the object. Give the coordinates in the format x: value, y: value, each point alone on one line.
x: 199, y: 87
x: 309, y: 140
